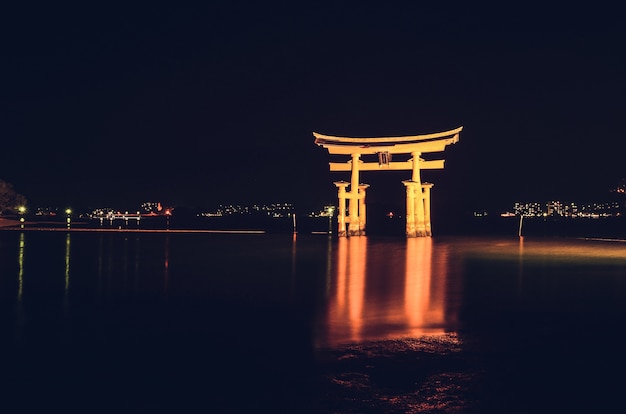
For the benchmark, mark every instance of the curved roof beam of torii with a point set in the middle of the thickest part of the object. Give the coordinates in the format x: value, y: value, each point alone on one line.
x: 329, y: 139
x: 394, y: 145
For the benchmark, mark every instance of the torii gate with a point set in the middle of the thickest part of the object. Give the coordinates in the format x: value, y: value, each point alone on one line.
x: 417, y: 193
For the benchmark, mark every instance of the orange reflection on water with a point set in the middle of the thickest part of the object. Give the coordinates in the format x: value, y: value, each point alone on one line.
x: 417, y: 287
x: 386, y: 291
x: 347, y: 305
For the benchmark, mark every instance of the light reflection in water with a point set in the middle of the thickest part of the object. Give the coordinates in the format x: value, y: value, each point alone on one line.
x: 292, y: 286
x: 100, y: 265
x: 67, y: 262
x: 19, y: 308
x: 346, y: 305
x: 386, y: 292
x: 125, y: 253
x: 528, y: 248
x: 137, y: 261
x: 520, y: 272
x: 418, y: 281
x: 329, y: 262
x: 166, y: 265
x: 20, y: 273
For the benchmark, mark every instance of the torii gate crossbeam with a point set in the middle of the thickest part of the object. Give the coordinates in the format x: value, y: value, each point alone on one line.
x: 417, y: 193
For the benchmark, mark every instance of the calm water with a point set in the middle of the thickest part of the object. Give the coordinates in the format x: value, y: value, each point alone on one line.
x: 158, y: 322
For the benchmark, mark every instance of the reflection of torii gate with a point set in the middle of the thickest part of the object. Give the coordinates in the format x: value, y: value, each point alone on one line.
x: 417, y: 193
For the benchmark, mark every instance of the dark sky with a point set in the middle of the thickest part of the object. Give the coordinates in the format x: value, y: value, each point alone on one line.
x: 106, y: 105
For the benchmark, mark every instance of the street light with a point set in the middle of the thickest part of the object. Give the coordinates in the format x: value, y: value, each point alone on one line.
x: 21, y: 210
x: 330, y: 211
x: 68, y: 211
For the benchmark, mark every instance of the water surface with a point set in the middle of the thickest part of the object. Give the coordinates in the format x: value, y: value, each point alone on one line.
x: 171, y: 322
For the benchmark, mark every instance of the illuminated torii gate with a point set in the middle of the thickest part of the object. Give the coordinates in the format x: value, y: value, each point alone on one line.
x: 417, y: 193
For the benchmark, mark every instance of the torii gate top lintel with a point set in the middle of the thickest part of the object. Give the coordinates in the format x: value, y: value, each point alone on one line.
x: 401, y: 144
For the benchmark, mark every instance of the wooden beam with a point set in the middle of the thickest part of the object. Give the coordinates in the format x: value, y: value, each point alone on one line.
x: 321, y: 138
x: 396, y: 166
x: 402, y: 148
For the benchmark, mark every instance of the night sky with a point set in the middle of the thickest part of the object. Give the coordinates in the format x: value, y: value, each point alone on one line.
x: 105, y: 105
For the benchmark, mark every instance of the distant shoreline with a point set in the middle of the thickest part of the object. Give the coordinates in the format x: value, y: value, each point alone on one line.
x: 15, y: 226
x: 603, y: 228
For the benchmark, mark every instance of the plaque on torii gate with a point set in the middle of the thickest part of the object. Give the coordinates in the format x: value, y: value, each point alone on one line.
x: 417, y: 193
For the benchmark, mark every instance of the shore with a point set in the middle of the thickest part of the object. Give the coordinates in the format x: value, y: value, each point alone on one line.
x: 609, y: 227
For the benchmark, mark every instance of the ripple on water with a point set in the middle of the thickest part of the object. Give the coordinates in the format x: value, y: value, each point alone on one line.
x: 427, y: 374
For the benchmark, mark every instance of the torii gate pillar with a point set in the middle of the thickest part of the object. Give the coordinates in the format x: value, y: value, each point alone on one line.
x: 418, y: 209
x: 362, y: 215
x: 354, y: 228
x: 341, y: 213
x: 356, y: 209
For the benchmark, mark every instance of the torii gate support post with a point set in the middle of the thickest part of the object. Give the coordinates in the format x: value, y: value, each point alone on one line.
x: 353, y: 207
x: 418, y: 197
x: 417, y: 202
x: 418, y: 209
x: 362, y: 214
x: 357, y: 218
x: 341, y: 214
x: 426, y: 196
x: 410, y: 209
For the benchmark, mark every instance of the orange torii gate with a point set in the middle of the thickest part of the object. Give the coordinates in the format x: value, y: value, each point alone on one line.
x: 417, y: 193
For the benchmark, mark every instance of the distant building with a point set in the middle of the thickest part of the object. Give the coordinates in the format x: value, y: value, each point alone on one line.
x: 275, y: 210
x: 151, y: 207
x: 328, y: 211
x: 480, y: 213
x: 557, y: 208
x: 533, y: 209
